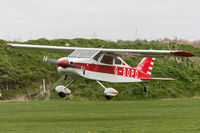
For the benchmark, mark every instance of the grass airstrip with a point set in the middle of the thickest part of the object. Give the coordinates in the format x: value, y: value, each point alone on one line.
x: 58, y: 116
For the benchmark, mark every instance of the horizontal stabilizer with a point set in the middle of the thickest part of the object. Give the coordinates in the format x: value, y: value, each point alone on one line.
x: 163, y: 79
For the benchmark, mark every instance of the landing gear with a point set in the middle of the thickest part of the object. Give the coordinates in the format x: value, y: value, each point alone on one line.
x: 108, y: 92
x: 65, y: 77
x: 108, y: 97
x: 62, y: 94
x: 146, y: 89
x: 63, y: 90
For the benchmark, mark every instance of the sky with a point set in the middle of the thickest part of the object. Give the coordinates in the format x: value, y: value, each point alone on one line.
x: 103, y: 19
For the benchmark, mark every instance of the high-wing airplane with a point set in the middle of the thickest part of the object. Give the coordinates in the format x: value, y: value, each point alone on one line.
x: 103, y: 65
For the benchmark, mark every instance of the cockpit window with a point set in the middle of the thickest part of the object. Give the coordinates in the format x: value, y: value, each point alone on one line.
x: 107, y: 60
x: 118, y: 61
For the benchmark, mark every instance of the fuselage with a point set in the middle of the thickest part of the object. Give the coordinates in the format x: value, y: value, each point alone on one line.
x: 92, y: 69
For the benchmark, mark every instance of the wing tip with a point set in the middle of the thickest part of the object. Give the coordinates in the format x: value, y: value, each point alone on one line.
x: 182, y: 53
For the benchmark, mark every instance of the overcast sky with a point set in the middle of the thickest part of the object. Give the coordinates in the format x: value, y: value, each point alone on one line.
x: 103, y: 19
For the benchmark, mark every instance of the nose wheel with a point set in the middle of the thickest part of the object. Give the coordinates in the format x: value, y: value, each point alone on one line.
x: 63, y: 90
x: 62, y: 94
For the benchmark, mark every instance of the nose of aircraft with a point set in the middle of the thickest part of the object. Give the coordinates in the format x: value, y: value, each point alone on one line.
x: 63, y: 63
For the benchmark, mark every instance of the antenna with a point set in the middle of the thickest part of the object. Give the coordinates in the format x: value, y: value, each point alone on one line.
x: 94, y: 36
x: 136, y: 34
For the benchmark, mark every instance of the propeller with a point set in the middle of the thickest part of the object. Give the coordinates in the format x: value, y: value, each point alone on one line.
x: 61, y: 63
x: 51, y: 60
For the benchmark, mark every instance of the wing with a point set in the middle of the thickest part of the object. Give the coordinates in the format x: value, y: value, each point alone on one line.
x: 54, y: 49
x: 119, y: 52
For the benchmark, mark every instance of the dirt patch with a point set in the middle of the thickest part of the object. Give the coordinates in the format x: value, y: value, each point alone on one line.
x: 22, y: 98
x: 45, y: 96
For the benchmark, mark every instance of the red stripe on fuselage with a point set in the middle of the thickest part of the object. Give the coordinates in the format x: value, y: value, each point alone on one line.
x: 115, y: 70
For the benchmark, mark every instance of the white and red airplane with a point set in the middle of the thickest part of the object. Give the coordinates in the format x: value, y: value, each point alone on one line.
x: 103, y: 65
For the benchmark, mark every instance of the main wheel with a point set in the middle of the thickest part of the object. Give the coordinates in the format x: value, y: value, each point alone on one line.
x: 109, y: 97
x: 61, y: 94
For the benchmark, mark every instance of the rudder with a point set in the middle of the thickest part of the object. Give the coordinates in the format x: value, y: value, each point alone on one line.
x: 146, y: 65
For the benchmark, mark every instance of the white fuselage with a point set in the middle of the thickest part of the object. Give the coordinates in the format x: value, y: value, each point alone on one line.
x: 92, y: 69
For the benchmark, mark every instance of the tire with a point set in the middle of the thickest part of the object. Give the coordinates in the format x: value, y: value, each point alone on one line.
x: 108, y: 97
x: 146, y: 89
x: 61, y: 94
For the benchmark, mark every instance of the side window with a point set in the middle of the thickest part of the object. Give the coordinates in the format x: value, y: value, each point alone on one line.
x: 118, y: 61
x: 107, y: 59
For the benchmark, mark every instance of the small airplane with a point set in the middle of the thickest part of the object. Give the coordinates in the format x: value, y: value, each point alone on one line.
x: 102, y: 64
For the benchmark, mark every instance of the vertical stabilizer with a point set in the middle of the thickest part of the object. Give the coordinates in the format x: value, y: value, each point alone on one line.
x: 146, y: 66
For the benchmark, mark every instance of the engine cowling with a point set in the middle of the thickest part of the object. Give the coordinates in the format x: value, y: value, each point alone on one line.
x: 110, y: 92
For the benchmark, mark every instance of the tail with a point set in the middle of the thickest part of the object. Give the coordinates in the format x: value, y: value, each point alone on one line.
x: 146, y: 66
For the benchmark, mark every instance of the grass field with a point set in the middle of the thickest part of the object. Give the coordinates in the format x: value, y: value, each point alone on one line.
x: 155, y: 116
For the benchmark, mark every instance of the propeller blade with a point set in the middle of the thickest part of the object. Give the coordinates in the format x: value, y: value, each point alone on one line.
x: 51, y: 60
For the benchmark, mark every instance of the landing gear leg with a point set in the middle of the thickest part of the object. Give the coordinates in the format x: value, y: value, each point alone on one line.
x: 65, y: 77
x: 71, y: 82
x: 101, y: 85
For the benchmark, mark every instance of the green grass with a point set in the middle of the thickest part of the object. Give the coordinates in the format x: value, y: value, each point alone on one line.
x: 156, y: 116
